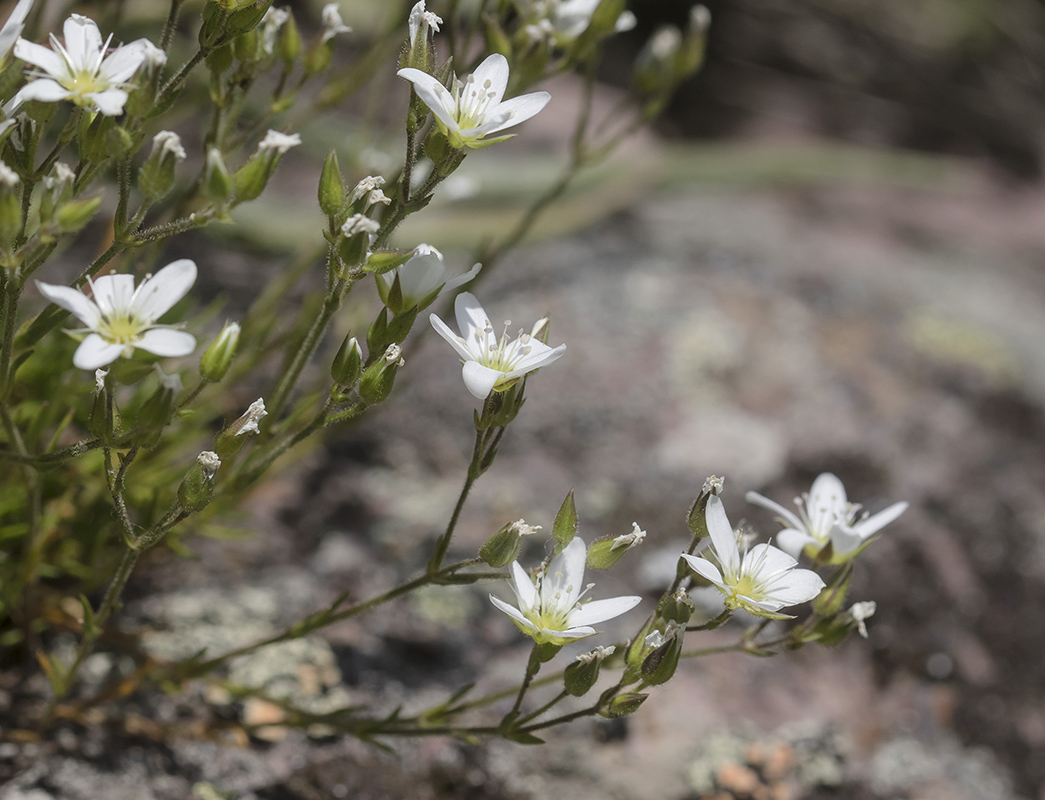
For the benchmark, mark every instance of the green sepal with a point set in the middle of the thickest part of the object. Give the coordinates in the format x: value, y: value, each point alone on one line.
x: 565, y: 526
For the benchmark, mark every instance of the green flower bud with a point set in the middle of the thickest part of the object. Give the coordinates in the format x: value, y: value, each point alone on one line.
x: 348, y: 363
x: 100, y: 424
x: 582, y: 674
x: 376, y: 383
x: 655, y: 67
x: 58, y: 189
x: 220, y: 59
x: 289, y: 42
x: 604, y: 553
x: 624, y: 704
x: 245, y: 47
x: 197, y: 487
x: 331, y: 187
x: 215, y: 361
x: 503, y: 547
x: 231, y: 440
x: 253, y: 177
x: 217, y: 182
x: 73, y: 216
x: 156, y: 176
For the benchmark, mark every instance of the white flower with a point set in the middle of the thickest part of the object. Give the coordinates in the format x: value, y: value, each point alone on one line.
x: 279, y: 143
x: 761, y: 580
x: 492, y: 364
x: 332, y: 22
x: 825, y: 517
x: 422, y: 278
x: 248, y: 423
x: 551, y: 610
x: 629, y: 540
x: 421, y: 20
x: 572, y: 17
x: 120, y: 318
x: 79, y: 70
x: 861, y: 612
x: 474, y: 109
x: 13, y: 27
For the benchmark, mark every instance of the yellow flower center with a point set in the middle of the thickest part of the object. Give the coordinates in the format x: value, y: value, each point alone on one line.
x: 121, y: 330
x: 84, y: 83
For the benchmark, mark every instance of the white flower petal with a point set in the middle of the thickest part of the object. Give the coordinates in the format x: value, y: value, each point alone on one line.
x: 39, y: 56
x: 164, y: 341
x: 601, y: 610
x: 513, y: 612
x: 44, y: 90
x: 524, y: 589
x: 494, y: 69
x: 452, y: 338
x: 461, y: 280
x: 537, y: 359
x: 113, y: 292
x: 95, y: 352
x: 83, y: 40
x: 788, y: 516
x: 793, y: 541
x: 470, y: 316
x: 705, y: 569
x: 12, y: 29
x: 798, y: 586
x: 158, y: 294
x: 71, y: 300
x: 433, y: 94
x: 569, y: 633
x: 570, y: 564
x: 873, y: 524
x: 124, y: 61
x: 770, y: 560
x: 110, y: 102
x: 521, y: 108
x: 480, y: 380
x: 827, y: 502
x: 723, y: 539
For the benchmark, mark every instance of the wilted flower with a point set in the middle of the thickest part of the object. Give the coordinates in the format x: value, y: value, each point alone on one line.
x: 279, y: 143
x: 861, y: 612
x: 491, y: 363
x: 473, y: 109
x: 119, y: 318
x: 761, y: 580
x: 79, y: 70
x: 826, y: 516
x: 629, y: 540
x: 168, y: 143
x: 551, y: 610
x: 422, y: 20
x: 274, y: 19
x: 369, y: 188
x: 332, y: 22
x: 248, y: 423
x: 422, y: 278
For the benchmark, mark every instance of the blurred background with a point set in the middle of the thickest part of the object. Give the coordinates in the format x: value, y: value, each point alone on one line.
x: 828, y: 256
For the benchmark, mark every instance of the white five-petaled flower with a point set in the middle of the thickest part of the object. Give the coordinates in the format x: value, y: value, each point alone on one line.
x: 332, y: 22
x: 550, y: 610
x: 119, y: 317
x: 761, y: 580
x: 491, y: 363
x: 13, y: 27
x: 474, y: 109
x: 79, y: 69
x: 422, y: 278
x: 825, y: 517
x: 278, y: 143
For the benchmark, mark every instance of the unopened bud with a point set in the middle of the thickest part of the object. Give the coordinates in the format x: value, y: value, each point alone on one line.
x: 357, y: 233
x: 197, y: 487
x: 331, y: 187
x: 74, y: 215
x: 215, y: 361
x: 419, y: 52
x: 348, y: 363
x: 156, y: 176
x: 217, y: 182
x: 663, y: 658
x: 289, y: 43
x: 677, y: 607
x: 695, y: 520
